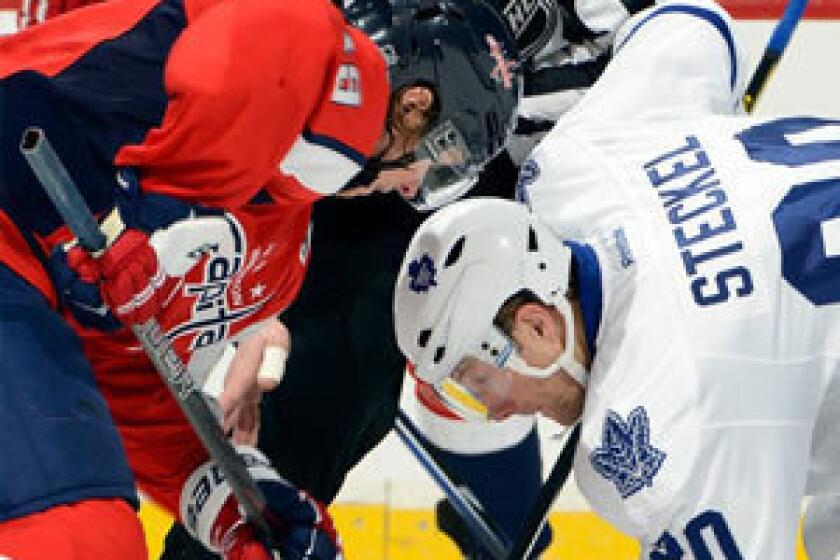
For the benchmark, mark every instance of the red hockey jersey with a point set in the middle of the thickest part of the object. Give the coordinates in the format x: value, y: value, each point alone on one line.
x: 255, y: 107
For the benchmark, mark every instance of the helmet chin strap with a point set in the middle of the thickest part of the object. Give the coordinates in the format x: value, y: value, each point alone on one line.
x: 566, y: 361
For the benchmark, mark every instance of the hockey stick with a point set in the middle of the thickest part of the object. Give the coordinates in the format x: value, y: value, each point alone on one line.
x: 465, y: 507
x: 69, y: 203
x: 530, y: 531
x: 773, y: 51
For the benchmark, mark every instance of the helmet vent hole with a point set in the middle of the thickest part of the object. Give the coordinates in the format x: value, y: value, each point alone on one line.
x: 533, y: 246
x: 494, y: 352
x: 423, y: 338
x: 541, y: 266
x: 439, y: 354
x: 455, y: 252
x: 485, y: 346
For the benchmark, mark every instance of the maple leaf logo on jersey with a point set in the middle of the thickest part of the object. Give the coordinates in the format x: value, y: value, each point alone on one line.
x: 626, y: 458
x: 422, y: 272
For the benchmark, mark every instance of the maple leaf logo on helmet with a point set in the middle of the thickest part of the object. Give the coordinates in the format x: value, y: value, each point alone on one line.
x: 422, y: 272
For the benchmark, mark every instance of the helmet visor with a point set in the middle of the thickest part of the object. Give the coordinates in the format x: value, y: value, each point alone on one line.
x: 448, y: 166
x: 493, y: 348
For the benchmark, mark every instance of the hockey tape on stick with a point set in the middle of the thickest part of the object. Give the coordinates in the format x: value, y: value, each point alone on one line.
x: 773, y: 51
x: 69, y: 203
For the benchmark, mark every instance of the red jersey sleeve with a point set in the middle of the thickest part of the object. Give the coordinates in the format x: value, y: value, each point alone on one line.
x: 345, y: 127
x: 245, y: 80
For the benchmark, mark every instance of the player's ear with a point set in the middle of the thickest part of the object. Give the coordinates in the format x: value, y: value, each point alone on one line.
x: 534, y: 323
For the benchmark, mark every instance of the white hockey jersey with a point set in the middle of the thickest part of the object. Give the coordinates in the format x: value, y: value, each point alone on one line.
x: 718, y: 237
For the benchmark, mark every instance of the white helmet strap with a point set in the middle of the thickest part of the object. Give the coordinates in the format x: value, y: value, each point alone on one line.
x: 566, y: 361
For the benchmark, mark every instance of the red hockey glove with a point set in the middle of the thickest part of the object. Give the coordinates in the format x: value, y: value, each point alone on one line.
x: 301, y: 527
x: 133, y: 283
x: 137, y: 274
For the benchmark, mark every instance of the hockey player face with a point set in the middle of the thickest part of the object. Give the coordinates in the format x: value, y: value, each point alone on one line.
x: 410, y: 114
x: 505, y: 391
x: 530, y: 381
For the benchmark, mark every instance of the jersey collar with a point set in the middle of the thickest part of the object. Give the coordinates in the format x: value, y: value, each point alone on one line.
x: 588, y: 271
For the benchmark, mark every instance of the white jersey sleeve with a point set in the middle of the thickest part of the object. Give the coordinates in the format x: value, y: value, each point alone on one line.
x: 674, y: 58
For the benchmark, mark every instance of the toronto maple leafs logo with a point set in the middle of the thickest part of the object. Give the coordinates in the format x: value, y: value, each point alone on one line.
x: 626, y: 458
x: 422, y: 272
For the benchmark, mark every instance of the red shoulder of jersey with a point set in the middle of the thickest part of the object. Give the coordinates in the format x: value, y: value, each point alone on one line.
x: 57, y: 43
x: 343, y: 130
x: 234, y: 119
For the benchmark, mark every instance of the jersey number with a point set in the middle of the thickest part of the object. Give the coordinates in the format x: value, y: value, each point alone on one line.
x: 706, y: 532
x: 807, y: 220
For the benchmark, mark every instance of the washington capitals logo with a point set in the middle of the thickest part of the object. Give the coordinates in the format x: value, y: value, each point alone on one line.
x: 626, y: 458
x: 422, y: 272
x: 503, y: 71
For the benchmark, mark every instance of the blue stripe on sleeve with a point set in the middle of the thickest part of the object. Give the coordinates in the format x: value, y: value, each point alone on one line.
x: 334, y: 145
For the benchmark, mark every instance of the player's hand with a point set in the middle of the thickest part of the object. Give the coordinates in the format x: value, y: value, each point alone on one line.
x: 246, y: 370
x: 76, y: 278
x: 152, y: 241
x: 301, y: 528
x: 136, y: 275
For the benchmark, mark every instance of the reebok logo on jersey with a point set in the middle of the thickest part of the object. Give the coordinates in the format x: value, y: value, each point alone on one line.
x: 626, y: 457
x: 625, y: 255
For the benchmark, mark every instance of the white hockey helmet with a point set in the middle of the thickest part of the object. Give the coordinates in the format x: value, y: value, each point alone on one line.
x: 463, y: 263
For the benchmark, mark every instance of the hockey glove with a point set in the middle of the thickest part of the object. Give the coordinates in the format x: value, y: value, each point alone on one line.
x: 301, y: 527
x: 152, y: 240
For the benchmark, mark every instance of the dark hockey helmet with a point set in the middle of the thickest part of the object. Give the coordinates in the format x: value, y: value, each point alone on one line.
x: 462, y: 51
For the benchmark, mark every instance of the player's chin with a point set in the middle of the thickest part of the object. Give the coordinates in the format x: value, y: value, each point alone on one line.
x: 567, y: 407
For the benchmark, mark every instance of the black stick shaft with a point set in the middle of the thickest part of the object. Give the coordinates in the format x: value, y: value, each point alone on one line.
x: 539, y: 511
x: 466, y: 509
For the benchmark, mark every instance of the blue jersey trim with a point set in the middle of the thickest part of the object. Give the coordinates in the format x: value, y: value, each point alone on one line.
x: 115, y: 92
x: 712, y: 17
x: 589, y: 285
x: 334, y: 145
